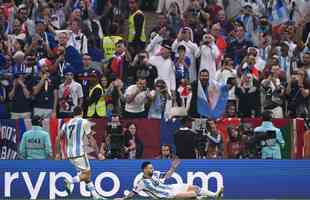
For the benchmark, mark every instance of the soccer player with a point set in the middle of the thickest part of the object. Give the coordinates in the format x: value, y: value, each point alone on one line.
x: 152, y: 184
x: 75, y: 131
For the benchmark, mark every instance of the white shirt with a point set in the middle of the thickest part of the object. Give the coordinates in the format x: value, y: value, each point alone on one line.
x: 76, y: 41
x: 222, y: 76
x: 166, y: 71
x: 208, y: 58
x: 76, y: 131
x: 76, y: 92
x: 192, y: 51
x: 137, y: 105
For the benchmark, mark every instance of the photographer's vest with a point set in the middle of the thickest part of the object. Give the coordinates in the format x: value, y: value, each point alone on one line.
x: 132, y: 29
x: 108, y: 44
x: 98, y: 107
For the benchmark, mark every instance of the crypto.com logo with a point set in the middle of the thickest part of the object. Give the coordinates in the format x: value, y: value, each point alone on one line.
x: 53, y: 191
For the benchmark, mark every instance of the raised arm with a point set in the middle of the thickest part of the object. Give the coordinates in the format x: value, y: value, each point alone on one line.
x: 175, y: 163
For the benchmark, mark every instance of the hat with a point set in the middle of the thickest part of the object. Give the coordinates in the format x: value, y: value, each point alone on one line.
x: 166, y: 44
x: 95, y: 73
x: 21, y: 6
x: 18, y: 54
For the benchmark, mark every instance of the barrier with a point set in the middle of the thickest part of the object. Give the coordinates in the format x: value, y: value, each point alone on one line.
x: 241, y: 178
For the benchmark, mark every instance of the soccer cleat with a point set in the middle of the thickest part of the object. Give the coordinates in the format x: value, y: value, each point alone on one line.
x: 219, y: 194
x: 68, y: 186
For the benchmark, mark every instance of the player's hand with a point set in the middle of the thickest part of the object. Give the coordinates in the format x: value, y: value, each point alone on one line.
x: 175, y: 163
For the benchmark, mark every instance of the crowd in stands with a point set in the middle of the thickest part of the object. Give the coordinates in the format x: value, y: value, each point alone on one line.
x: 201, y: 58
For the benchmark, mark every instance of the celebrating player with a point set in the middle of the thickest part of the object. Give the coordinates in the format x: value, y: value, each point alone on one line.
x: 75, y: 131
x: 152, y: 184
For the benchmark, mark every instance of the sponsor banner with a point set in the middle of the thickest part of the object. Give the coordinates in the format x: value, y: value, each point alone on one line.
x: 241, y: 178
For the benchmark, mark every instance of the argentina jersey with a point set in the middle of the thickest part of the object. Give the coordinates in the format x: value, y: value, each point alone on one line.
x: 153, y: 187
x: 75, y: 131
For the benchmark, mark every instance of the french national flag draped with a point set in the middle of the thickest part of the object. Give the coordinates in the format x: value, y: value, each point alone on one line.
x: 211, y: 103
x: 279, y: 13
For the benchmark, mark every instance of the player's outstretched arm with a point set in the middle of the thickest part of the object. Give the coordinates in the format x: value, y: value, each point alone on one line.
x: 175, y: 163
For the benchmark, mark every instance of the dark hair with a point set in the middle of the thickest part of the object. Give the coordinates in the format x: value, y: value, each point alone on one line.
x: 181, y: 47
x: 129, y: 124
x: 77, y: 111
x: 36, y: 120
x: 145, y: 164
x: 267, y: 116
x: 167, y: 145
x: 203, y: 70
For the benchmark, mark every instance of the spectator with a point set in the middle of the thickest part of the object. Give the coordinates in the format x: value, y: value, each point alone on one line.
x: 136, y: 96
x: 248, y: 97
x: 113, y: 91
x: 77, y: 39
x: 226, y: 71
x: 36, y: 143
x: 209, y: 54
x: 45, y: 92
x: 141, y: 67
x: 96, y: 104
x: 182, y: 64
x: 3, y: 99
x: 273, y: 92
x: 297, y: 92
x: 20, y: 97
x: 70, y: 95
x: 215, y: 145
x: 186, y: 38
x: 119, y: 63
x: 67, y: 55
x: 133, y: 145
x: 237, y: 48
x: 235, y: 145
x: 42, y: 43
x: 160, y: 100
x: 165, y: 66
x: 136, y: 26
x: 166, y: 153
x: 271, y: 148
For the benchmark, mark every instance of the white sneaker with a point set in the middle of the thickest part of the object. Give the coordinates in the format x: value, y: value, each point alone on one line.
x: 68, y: 186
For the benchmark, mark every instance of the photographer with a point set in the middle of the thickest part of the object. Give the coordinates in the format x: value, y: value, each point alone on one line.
x: 159, y: 97
x: 136, y: 96
x: 297, y: 93
x: 272, y: 91
x: 114, y: 145
x: 20, y: 97
x: 271, y: 148
x: 142, y: 68
x: 42, y: 43
x: 209, y: 53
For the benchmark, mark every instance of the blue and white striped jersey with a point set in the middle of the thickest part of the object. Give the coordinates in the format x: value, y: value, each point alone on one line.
x: 75, y: 131
x: 153, y: 187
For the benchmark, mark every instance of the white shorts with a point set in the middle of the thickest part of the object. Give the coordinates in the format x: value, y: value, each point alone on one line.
x: 80, y: 163
x: 178, y: 188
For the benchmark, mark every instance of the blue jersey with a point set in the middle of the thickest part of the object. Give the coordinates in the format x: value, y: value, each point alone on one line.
x: 75, y: 131
x: 153, y: 187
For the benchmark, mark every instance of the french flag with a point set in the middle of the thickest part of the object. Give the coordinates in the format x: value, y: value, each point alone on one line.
x: 279, y: 13
x: 211, y: 103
